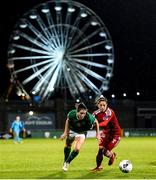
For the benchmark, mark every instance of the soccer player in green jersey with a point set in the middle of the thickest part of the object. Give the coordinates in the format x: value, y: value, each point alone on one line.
x: 78, y: 122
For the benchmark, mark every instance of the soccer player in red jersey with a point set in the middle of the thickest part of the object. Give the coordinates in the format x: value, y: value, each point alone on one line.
x: 110, y: 134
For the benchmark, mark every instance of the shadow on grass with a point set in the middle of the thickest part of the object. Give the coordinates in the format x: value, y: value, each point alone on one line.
x: 55, y: 175
x: 93, y: 175
x: 153, y: 163
x: 76, y: 174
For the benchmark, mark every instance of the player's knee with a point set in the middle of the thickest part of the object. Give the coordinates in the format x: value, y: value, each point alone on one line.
x: 78, y: 147
x: 77, y: 151
x: 68, y: 145
x: 106, y: 152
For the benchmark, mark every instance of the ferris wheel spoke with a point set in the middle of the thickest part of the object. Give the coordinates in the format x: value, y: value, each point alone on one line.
x: 66, y: 29
x: 54, y: 78
x: 83, y: 40
x: 90, y: 72
x: 90, y: 55
x: 42, y: 83
x: 44, y: 79
x: 78, y: 36
x: 30, y: 49
x: 88, y: 82
x: 32, y: 66
x: 88, y: 47
x: 52, y: 81
x: 29, y: 58
x: 42, y: 38
x: 59, y: 27
x: 53, y: 30
x: 73, y: 30
x: 36, y: 42
x: 83, y: 61
x: 71, y: 83
x: 80, y: 87
x: 33, y: 76
x: 43, y: 27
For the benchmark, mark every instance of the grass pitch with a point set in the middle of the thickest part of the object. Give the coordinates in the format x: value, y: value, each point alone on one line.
x: 43, y: 158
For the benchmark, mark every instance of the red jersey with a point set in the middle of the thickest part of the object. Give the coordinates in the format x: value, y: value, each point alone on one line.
x: 108, y: 121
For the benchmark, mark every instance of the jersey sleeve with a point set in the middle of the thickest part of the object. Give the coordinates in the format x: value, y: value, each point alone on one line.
x: 71, y: 114
x: 22, y: 125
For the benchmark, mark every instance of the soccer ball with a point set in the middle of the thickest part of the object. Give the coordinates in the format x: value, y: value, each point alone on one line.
x: 125, y: 166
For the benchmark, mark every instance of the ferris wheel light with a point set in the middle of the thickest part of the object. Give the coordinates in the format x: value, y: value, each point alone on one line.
x: 16, y: 37
x: 71, y: 9
x: 94, y: 23
x: 11, y: 51
x: 23, y: 25
x: 45, y: 10
x: 33, y: 92
x: 124, y: 94
x: 10, y: 65
x: 83, y: 14
x: 108, y: 46
x: 102, y: 34
x: 58, y: 8
x: 33, y: 16
x: 138, y: 93
x: 109, y: 75
x: 110, y: 61
x: 104, y: 87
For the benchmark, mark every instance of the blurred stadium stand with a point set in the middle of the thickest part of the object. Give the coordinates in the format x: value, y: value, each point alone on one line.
x: 134, y: 117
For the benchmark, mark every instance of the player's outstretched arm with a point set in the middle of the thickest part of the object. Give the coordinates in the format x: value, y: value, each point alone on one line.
x: 97, y: 130
x: 10, y: 130
x: 66, y: 130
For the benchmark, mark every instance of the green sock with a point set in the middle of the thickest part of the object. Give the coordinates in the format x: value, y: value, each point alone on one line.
x: 66, y: 152
x: 73, y: 154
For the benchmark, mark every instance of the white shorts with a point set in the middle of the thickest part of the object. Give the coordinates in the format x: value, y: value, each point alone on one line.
x: 73, y: 134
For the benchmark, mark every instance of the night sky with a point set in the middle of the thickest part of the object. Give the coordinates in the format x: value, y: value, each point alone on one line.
x: 132, y: 26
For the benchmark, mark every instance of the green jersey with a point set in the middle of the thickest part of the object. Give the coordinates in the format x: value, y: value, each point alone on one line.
x: 83, y: 125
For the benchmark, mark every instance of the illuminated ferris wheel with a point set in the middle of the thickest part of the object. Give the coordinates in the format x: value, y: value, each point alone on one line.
x: 61, y: 45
